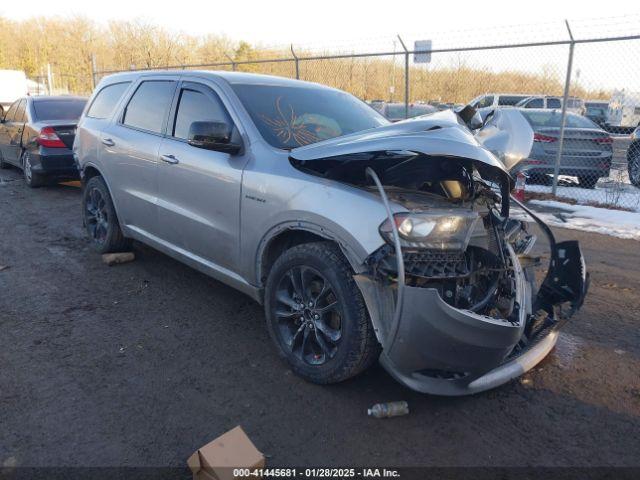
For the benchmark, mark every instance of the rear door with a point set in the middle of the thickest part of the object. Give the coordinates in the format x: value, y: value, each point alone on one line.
x: 129, y: 152
x: 198, y: 189
x: 14, y: 132
x: 5, y: 138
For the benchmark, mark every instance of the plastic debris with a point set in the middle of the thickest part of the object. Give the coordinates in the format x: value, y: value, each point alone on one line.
x: 389, y: 409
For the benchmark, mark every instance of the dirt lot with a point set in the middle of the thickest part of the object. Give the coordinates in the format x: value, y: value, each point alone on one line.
x: 140, y: 364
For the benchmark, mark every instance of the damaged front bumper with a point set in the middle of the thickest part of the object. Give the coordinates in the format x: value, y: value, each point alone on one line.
x: 438, y: 349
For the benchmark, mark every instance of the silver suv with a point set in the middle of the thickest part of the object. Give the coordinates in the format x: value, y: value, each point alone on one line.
x: 363, y: 239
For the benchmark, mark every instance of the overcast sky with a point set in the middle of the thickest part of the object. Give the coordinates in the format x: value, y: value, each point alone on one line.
x: 343, y: 25
x: 315, y: 22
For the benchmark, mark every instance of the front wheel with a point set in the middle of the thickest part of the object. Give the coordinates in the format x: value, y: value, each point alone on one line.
x: 31, y: 178
x: 100, y: 218
x: 316, y: 315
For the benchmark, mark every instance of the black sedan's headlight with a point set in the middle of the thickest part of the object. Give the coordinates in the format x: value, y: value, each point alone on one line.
x: 437, y: 229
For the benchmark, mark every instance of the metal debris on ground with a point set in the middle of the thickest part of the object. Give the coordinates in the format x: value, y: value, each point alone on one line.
x: 3, y: 267
x: 116, y: 258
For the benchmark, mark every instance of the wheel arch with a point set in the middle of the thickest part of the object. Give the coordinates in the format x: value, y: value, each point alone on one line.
x: 90, y: 170
x: 289, y: 234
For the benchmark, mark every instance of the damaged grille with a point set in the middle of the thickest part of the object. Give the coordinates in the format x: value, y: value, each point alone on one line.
x: 436, y: 264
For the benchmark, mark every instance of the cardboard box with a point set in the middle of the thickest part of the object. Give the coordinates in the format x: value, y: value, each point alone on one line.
x: 218, y: 459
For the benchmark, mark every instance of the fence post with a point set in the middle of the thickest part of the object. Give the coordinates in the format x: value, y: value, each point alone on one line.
x: 565, y: 97
x: 93, y: 71
x: 233, y: 62
x: 406, y: 78
x: 295, y: 59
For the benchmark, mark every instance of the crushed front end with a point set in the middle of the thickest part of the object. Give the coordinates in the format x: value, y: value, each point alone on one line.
x: 471, y: 315
x: 452, y: 292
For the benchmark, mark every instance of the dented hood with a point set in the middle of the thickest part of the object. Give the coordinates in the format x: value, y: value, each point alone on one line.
x: 441, y: 134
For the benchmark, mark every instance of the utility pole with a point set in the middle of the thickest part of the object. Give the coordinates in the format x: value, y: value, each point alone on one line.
x: 565, y: 98
x: 406, y: 78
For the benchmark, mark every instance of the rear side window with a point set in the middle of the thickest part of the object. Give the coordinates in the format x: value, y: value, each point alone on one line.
x: 509, y: 99
x: 11, y: 113
x: 106, y: 100
x: 147, y: 109
x: 195, y: 106
x: 58, y: 109
x: 555, y: 103
x: 20, y: 113
x: 535, y: 103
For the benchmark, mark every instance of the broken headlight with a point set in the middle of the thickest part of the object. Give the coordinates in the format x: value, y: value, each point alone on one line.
x: 437, y: 229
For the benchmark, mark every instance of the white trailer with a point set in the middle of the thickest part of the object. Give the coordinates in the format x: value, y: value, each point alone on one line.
x: 624, y: 109
x: 13, y: 85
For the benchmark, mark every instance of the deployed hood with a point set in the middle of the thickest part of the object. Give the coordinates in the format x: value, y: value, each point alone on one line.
x: 437, y: 135
x: 508, y: 135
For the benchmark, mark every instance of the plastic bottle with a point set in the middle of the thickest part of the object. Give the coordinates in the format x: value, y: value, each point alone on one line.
x: 389, y: 409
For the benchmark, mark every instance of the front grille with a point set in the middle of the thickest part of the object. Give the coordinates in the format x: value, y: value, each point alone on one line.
x: 436, y: 264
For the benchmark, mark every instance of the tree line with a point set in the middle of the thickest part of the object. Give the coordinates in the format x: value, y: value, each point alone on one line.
x: 67, y: 46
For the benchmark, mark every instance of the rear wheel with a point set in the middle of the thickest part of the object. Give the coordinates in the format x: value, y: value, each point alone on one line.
x: 588, y: 181
x: 3, y: 164
x: 316, y: 315
x: 31, y: 178
x: 100, y: 219
x: 633, y: 164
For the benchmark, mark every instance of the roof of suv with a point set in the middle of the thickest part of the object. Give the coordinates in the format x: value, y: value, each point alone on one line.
x: 229, y: 77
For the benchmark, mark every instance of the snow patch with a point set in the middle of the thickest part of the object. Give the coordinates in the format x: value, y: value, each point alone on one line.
x: 617, y: 223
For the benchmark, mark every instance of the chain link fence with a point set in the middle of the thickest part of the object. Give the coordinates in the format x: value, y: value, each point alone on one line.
x: 578, y: 89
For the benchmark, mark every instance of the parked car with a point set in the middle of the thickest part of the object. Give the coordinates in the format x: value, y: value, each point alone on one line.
x: 36, y: 135
x: 275, y: 187
x: 633, y: 158
x: 574, y: 105
x: 596, y: 111
x: 13, y: 85
x: 395, y: 112
x: 494, y: 100
x: 587, y: 149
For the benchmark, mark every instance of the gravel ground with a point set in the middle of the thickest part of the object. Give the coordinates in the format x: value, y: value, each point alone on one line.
x: 140, y: 364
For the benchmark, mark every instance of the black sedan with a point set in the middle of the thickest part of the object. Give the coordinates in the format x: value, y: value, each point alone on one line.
x: 36, y: 135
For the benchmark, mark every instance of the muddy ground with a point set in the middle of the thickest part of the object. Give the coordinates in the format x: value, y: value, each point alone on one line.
x: 142, y: 363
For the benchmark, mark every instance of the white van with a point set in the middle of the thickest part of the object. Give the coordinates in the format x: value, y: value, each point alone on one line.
x: 13, y: 85
x: 624, y: 109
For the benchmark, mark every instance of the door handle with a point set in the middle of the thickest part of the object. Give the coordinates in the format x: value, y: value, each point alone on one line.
x: 169, y: 159
x: 108, y: 142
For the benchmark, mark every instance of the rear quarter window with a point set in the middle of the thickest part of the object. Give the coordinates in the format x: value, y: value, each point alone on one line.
x: 106, y: 100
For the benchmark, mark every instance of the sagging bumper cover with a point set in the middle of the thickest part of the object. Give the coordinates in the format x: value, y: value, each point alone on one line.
x: 439, y: 349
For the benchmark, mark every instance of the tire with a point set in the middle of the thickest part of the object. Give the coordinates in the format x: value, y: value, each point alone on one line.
x: 345, y: 330
x: 32, y: 180
x: 99, y: 218
x: 538, y: 179
x: 633, y: 164
x: 3, y: 164
x: 589, y: 181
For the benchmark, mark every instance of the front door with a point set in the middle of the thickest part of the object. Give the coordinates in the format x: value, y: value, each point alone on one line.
x: 198, y: 189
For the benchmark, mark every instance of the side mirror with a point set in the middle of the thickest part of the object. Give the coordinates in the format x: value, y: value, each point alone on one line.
x: 213, y: 136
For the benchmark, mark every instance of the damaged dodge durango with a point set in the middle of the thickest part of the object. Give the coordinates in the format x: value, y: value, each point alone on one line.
x: 364, y: 240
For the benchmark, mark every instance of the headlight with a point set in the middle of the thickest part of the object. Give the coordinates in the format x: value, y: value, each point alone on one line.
x: 437, y: 229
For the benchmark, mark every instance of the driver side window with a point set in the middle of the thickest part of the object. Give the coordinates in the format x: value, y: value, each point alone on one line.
x: 195, y: 106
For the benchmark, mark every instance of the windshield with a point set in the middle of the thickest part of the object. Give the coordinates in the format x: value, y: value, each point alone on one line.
x: 596, y: 111
x: 551, y: 118
x: 290, y: 117
x: 58, y: 109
